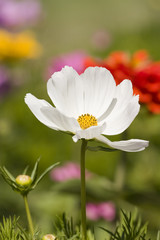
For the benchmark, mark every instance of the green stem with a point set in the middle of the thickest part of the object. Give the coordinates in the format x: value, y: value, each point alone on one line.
x: 30, y: 223
x: 83, y: 189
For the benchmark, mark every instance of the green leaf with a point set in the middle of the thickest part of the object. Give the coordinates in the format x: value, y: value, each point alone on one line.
x: 101, y: 148
x: 109, y: 232
x: 129, y: 228
x: 9, y: 174
x: 43, y: 174
x: 25, y: 170
x: 65, y: 229
x: 6, y: 177
x: 10, y: 229
x: 35, y: 170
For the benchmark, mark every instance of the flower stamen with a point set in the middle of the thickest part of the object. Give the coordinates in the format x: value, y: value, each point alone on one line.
x: 86, y: 120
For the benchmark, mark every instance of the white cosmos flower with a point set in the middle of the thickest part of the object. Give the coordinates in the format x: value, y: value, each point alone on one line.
x: 89, y: 106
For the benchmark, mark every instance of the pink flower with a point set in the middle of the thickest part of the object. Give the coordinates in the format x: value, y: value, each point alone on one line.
x: 92, y: 211
x: 74, y: 59
x: 105, y: 210
x: 19, y: 13
x: 68, y: 171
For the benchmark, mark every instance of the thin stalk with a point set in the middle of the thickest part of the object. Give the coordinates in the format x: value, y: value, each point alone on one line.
x: 83, y: 190
x: 30, y: 223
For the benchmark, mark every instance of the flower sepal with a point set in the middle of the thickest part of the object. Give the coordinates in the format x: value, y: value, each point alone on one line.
x: 24, y: 183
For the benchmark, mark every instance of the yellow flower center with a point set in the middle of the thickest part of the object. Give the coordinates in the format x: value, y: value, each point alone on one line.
x: 86, y: 121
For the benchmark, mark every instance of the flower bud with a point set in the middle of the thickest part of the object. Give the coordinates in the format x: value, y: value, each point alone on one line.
x: 23, y: 180
x: 48, y: 237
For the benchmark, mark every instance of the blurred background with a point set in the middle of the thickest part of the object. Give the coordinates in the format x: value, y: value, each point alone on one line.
x: 40, y: 37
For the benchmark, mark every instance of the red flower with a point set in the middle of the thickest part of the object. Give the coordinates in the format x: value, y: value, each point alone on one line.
x: 147, y: 81
x: 117, y: 63
x: 144, y: 74
x: 120, y: 65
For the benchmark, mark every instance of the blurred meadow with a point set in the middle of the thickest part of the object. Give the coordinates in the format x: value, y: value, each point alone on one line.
x: 27, y: 51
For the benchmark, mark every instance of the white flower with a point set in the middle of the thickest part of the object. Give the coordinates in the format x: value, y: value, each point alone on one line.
x: 89, y: 106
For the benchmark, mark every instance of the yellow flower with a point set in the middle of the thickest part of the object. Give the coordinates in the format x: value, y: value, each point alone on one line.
x: 5, y: 40
x: 18, y: 45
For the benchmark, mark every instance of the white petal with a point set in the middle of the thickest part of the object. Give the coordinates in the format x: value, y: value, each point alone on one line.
x: 89, y: 133
x: 66, y: 91
x: 108, y: 111
x: 122, y: 120
x: 124, y: 111
x: 98, y: 90
x: 35, y: 106
x: 132, y: 145
x: 64, y: 123
x: 124, y: 93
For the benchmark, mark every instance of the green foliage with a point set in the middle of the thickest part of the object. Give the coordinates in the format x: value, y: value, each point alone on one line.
x: 25, y: 189
x: 129, y: 228
x: 65, y: 229
x: 10, y: 230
